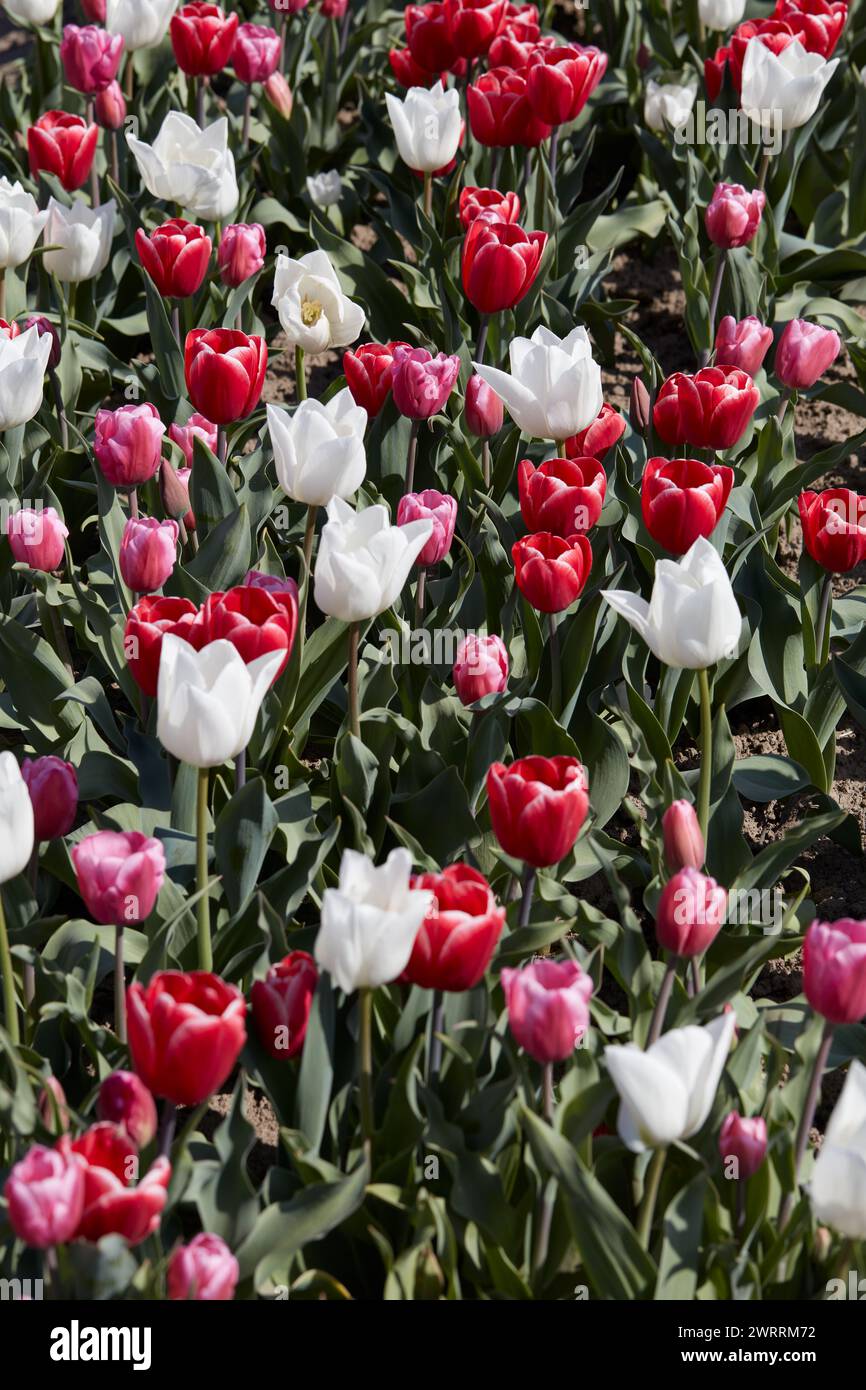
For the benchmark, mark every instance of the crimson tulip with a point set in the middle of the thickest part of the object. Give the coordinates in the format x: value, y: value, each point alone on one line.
x: 256, y: 53
x: 368, y: 370
x: 281, y: 1004
x: 147, y: 624
x: 499, y: 111
x: 550, y: 571
x: 90, y: 57
x: 253, y: 619
x: 818, y: 24
x: 483, y: 409
x: 225, y: 372
x: 53, y: 787
x: 475, y: 201
x: 203, y: 37
x: 682, y: 499
x: 597, y: 440
x: 834, y: 528
x: 109, y: 108
x: 709, y: 410
x: 745, y: 1140
x: 500, y: 263
x: 474, y: 24
x: 563, y: 496
x: 410, y: 73
x: 537, y: 807
x: 62, y: 145
x: 111, y: 1205
x: 125, y: 1101
x: 560, y: 81
x: 428, y: 34
x: 458, y: 936
x: 176, y: 257
x: 186, y: 1031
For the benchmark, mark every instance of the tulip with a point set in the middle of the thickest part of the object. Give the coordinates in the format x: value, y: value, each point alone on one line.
x: 242, y: 252
x: 83, y: 235
x: 203, y: 38
x: 409, y: 73
x: 319, y: 451
x: 254, y: 620
x: 186, y: 1032
x: 427, y: 126
x: 560, y: 81
x: 148, y: 623
x: 537, y: 807
x: 333, y: 9
x: 834, y: 969
x: 148, y: 551
x: 744, y: 1140
x: 275, y: 584
x: 480, y: 667
x: 816, y: 23
x: 683, y: 841
x: 363, y: 561
x: 368, y: 371
x: 279, y: 94
x: 483, y: 410
x: 109, y: 108
x: 667, y: 106
x: 45, y: 1196
x: 421, y: 383
x: 742, y: 344
x: 33, y: 11
x: 176, y: 257
x: 370, y: 921
x: 562, y: 496
x: 551, y: 572
x: 62, y: 145
x: 459, y: 933
x: 784, y: 88
x: 281, y: 1004
x: 639, y: 409
x: 256, y: 53
x: 709, y: 410
x: 45, y: 328
x: 196, y: 427
x: 804, y: 353
x: 119, y: 875
x: 834, y: 528
x: 500, y: 263
x: 325, y: 189
x: 94, y: 10
x: 599, y: 437
x: 428, y: 34
x: 733, y: 214
x: 21, y: 224
x: 126, y: 1102
x: 475, y: 201
x: 143, y: 23
x: 225, y: 372
x: 474, y: 24
x: 53, y: 1110
x: 127, y: 444
x: 111, y: 1205
x: 682, y: 499
x: 209, y: 700
x: 53, y: 787
x: 190, y: 165
x: 548, y: 1007
x: 690, y: 913
x: 314, y: 313
x: 23, y: 363
x: 37, y: 538
x: 838, y: 1188
x: 499, y: 112
x: 666, y: 1092
x: 554, y: 387
x: 205, y: 1271
x: 90, y: 57
x: 721, y: 15
x: 440, y: 509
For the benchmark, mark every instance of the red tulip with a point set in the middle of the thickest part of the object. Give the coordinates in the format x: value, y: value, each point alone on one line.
x: 422, y: 383
x: 111, y: 1205
x: 409, y: 73
x: 733, y: 214
x: 537, y: 807
x: 147, y: 624
x: 597, y: 440
x: 773, y: 33
x: 203, y: 38
x: 816, y: 23
x: 428, y: 35
x: 457, y: 938
x: 499, y: 111
x: 682, y: 499
x: 256, y: 53
x: 690, y: 913
x: 53, y: 787
x: 834, y: 969
x: 281, y: 1004
x: 709, y: 410
x: 225, y: 373
x: 63, y: 145
x: 834, y: 528
x: 563, y: 496
x: 742, y: 344
x: 560, y: 81
x: 550, y: 571
x: 186, y: 1032
x: 176, y: 257
x: 109, y: 108
x: 804, y: 353
x: 368, y: 370
x: 474, y: 24
x: 125, y: 1101
x: 252, y: 619
x: 500, y: 263
x: 475, y: 201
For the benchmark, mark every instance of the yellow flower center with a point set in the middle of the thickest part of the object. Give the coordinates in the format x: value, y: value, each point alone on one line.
x: 311, y: 312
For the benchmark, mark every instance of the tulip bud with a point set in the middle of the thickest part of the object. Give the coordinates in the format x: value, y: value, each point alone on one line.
x: 639, y: 407
x: 744, y: 1140
x: 683, y: 841
x: 548, y: 1007
x: 733, y: 215
x: 109, y: 107
x: 45, y: 328
x: 480, y: 667
x: 125, y: 1100
x: 148, y: 551
x: 804, y: 353
x: 53, y: 787
x: 119, y: 875
x: 37, y: 537
x: 834, y: 969
x: 690, y: 913
x: 483, y: 410
x: 128, y: 444
x: 281, y: 1004
x: 53, y: 1110
x: 203, y: 1271
x: 279, y: 94
x: 173, y: 491
x: 241, y: 254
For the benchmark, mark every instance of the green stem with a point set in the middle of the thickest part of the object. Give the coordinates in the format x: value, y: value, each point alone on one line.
x: 657, y: 1022
x: 822, y: 639
x: 412, y: 456
x: 205, y: 951
x: 706, y: 773
x: 10, y: 1006
x: 528, y: 889
x: 300, y: 375
x: 428, y: 196
x: 762, y: 172
x: 354, y: 707
x: 119, y: 986
x: 718, y: 276
x: 365, y: 1070
x: 650, y: 1193
x: 806, y: 1119
x: 2, y: 292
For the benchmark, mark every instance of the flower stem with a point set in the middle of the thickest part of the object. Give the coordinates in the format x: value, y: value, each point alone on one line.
x: 94, y: 177
x: 822, y: 638
x: 763, y: 170
x: 718, y: 277
x: 58, y: 406
x: 806, y: 1119
x: 354, y: 708
x: 365, y: 1070
x: 167, y: 1122
x: 2, y: 291
x: 706, y: 773
x: 420, y: 593
x: 483, y: 326
x: 528, y: 888
x: 223, y: 445
x: 300, y: 375
x: 434, y: 1055
x: 248, y: 116
x: 10, y: 1007
x: 428, y: 196
x: 485, y: 463
x: 205, y: 952
x: 657, y: 1022
x: 241, y: 770
x: 412, y: 455
x: 650, y: 1193
x: 119, y: 986
x: 555, y: 668
x: 544, y: 1217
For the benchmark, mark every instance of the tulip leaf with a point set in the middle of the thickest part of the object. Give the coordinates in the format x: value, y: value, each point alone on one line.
x: 169, y: 358
x: 284, y: 1228
x: 682, y: 1231
x: 242, y: 835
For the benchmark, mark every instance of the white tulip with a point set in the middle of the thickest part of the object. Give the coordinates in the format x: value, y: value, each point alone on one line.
x: 554, y: 388
x: 16, y: 819
x: 721, y: 15
x: 33, y: 11
x: 190, y: 165
x: 692, y: 619
x: 23, y: 364
x: 364, y: 561
x: 21, y: 224
x: 838, y: 1187
x: 427, y: 126
x: 781, y: 91
x: 314, y: 312
x: 319, y: 451
x: 325, y: 189
x: 143, y: 23
x: 668, y: 105
x: 208, y: 700
x: 667, y: 1091
x: 84, y: 236
x: 369, y: 922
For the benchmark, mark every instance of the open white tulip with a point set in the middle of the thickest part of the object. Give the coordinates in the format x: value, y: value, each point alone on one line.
x: 554, y: 387
x: 314, y: 312
x: 84, y: 236
x: 325, y: 189
x: 143, y: 23
x: 16, y: 819
x: 668, y: 105
x: 369, y: 922
x: 781, y: 91
x: 667, y: 1091
x: 427, y: 125
x: 838, y: 1187
x: 692, y: 619
x: 208, y: 700
x: 23, y: 364
x: 33, y: 11
x: 721, y: 15
x: 364, y: 561
x: 21, y: 224
x: 190, y: 165
x: 319, y: 451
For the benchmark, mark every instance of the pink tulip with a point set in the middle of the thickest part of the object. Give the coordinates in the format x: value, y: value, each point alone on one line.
x: 203, y: 1271
x: 37, y: 538
x: 745, y: 1140
x: 128, y: 444
x: 256, y: 54
x: 690, y: 913
x: 279, y: 94
x: 484, y: 410
x: 90, y: 57
x: 733, y: 214
x: 242, y: 252
x: 109, y: 109
x: 421, y: 383
x: 148, y: 551
x: 548, y: 1007
x: 438, y: 507
x: 684, y: 843
x: 125, y: 1100
x: 274, y: 583
x: 834, y: 969
x: 119, y: 875
x: 53, y: 787
x: 184, y: 435
x: 480, y: 667
x: 804, y: 353
x: 742, y: 344
x: 45, y: 1196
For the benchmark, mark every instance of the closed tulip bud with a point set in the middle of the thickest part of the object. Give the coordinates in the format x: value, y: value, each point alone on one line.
x: 459, y: 933
x: 483, y: 410
x: 500, y: 263
x: 682, y: 499
x: 37, y: 537
x: 184, y: 435
x: 319, y: 450
x: 190, y: 165
x: 225, y: 372
x: 21, y: 224
x: 733, y: 214
x: 538, y: 807
x: 174, y: 493
x: 548, y: 1007
x: 281, y: 1004
x: 205, y: 1271
x: 368, y: 370
x: 427, y: 126
x: 45, y: 1196
x: 113, y: 1204
x: 839, y: 1176
x: 148, y: 552
x: 125, y: 1101
x: 804, y: 353
x: 62, y: 145
x: 709, y: 410
x: 225, y: 692
x: 668, y: 105
x: 90, y: 57
x: 53, y: 1110
x: 314, y: 312
x: 421, y: 383
x: 370, y: 921
x: 690, y: 913
x: 16, y: 820
x: 438, y: 507
x: 683, y: 841
x: 45, y: 328
x: 364, y: 561
x: 203, y: 37
x: 186, y: 1032
x: 23, y: 362
x: 475, y: 201
x: 256, y: 53
x: 83, y: 237
x: 119, y: 875
x: 597, y: 440
x: 176, y: 257
x: 279, y: 94
x: 742, y: 344
x: 109, y: 108
x: 551, y: 571
x: 834, y: 528
x: 254, y: 619
x: 242, y: 252
x: 127, y: 444
x: 787, y: 85
x: 561, y: 496
x: 53, y: 787
x: 640, y: 410
x: 480, y: 667
x: 834, y: 969
x: 554, y: 387
x: 744, y: 1140
x: 148, y: 623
